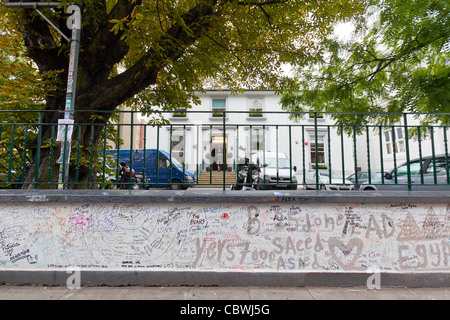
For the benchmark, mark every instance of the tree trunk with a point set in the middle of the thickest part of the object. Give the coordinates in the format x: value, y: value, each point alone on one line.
x: 100, y: 51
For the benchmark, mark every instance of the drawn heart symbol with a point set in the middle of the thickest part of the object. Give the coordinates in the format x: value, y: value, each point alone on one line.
x: 334, y: 243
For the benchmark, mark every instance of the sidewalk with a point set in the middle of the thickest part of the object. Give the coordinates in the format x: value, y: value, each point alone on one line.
x: 220, y: 293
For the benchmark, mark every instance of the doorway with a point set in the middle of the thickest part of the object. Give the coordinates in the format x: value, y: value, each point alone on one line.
x: 219, y: 150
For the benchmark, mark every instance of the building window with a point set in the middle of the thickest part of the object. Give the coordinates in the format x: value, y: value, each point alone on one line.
x: 179, y: 113
x: 218, y: 107
x: 318, y: 149
x: 394, y: 145
x: 257, y: 140
x: 256, y: 108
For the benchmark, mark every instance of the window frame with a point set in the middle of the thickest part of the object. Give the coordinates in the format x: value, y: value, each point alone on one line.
x: 255, y: 112
x: 396, y: 145
x: 179, y: 113
x: 312, y: 144
x: 221, y: 111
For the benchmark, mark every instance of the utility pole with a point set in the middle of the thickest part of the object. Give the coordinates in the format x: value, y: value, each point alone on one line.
x: 65, y: 126
x: 73, y: 23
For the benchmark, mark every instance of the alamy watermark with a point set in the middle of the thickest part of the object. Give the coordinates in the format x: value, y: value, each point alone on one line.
x: 74, y: 280
x: 374, y: 280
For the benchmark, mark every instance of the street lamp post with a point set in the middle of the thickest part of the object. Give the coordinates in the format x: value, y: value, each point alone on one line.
x: 65, y: 126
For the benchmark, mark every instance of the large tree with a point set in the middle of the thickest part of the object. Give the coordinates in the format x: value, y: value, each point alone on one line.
x: 159, y: 52
x: 397, y: 60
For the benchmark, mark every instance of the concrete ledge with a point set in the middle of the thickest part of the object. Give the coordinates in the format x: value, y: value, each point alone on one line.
x: 225, y: 279
x: 228, y: 196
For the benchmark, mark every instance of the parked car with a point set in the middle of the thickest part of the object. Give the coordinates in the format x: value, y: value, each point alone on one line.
x: 276, y: 171
x: 325, y: 182
x: 426, y: 173
x: 169, y: 173
x: 363, y: 177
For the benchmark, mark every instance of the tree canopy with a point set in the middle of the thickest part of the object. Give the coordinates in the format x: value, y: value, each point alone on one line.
x: 174, y: 47
x: 158, y: 52
x: 398, y: 60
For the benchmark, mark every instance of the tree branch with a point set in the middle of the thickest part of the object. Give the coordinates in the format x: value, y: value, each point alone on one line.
x: 110, y: 93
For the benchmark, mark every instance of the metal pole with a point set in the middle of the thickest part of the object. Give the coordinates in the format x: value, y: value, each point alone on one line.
x: 73, y: 23
x: 405, y: 123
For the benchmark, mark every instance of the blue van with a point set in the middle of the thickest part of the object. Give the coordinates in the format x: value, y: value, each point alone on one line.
x: 169, y: 174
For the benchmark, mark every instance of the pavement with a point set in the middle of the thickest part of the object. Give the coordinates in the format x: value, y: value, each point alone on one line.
x: 220, y: 293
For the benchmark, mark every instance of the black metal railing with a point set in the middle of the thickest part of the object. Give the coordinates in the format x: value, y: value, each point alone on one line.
x: 201, y: 149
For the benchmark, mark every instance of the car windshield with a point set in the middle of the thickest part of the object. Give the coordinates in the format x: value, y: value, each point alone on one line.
x: 177, y: 163
x: 283, y: 163
x: 414, y: 169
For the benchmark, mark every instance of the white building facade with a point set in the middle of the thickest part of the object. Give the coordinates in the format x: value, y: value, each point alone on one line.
x: 226, y: 124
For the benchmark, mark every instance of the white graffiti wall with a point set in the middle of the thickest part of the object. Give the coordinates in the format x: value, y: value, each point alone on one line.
x: 273, y: 237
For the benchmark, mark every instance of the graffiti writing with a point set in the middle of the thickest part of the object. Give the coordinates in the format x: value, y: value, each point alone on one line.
x: 276, y: 236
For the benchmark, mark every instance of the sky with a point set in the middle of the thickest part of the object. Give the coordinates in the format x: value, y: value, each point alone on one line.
x: 343, y: 30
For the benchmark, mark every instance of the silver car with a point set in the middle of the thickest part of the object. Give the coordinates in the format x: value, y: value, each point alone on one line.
x: 363, y: 177
x: 276, y: 171
x: 426, y: 173
x: 327, y: 182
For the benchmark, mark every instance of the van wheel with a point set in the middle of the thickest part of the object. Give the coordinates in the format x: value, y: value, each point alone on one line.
x: 176, y: 185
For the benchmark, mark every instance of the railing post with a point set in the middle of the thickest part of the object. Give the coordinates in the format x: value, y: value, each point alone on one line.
x: 130, y: 178
x: 157, y: 157
x: 447, y: 164
x: 144, y: 156
x: 329, y: 152
x: 355, y: 158
x: 316, y: 156
x: 419, y: 139
x: 184, y: 155
x: 38, y: 152
x: 224, y: 154
x: 11, y: 153
x: 91, y: 155
x: 170, y: 151
x: 264, y: 153
x: 369, y: 169
x: 117, y: 154
x: 290, y: 154
x: 342, y: 151
x: 408, y: 167
x: 77, y: 169
x: 394, y: 152
x: 236, y: 170
x: 303, y: 157
x: 210, y: 155
x: 433, y: 152
x: 24, y: 154
x: 105, y: 137
x: 278, y: 170
x: 380, y: 135
x: 250, y: 154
